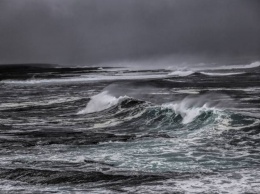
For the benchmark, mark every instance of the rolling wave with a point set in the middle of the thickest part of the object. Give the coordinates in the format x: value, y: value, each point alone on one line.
x: 191, y: 111
x: 181, y: 73
x: 101, y: 102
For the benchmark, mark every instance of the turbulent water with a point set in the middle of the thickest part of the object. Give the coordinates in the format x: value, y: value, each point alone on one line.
x: 116, y: 130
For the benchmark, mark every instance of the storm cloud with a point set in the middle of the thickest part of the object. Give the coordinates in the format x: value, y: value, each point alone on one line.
x: 92, y: 31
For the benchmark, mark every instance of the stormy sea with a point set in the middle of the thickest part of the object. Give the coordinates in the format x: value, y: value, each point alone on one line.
x: 129, y: 130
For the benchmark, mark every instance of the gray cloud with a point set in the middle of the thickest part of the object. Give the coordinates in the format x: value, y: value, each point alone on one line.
x: 83, y: 32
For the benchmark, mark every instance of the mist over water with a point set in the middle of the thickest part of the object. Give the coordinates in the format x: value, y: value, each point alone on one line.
x: 130, y: 96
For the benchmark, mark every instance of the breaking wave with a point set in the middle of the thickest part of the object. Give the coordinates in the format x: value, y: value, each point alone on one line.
x: 191, y: 111
x: 181, y: 73
x: 101, y: 102
x: 188, y: 114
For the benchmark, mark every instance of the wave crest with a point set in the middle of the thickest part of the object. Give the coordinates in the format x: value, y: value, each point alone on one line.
x: 188, y: 114
x: 100, y: 102
x: 181, y: 73
x: 221, y: 74
x: 191, y: 112
x: 248, y: 66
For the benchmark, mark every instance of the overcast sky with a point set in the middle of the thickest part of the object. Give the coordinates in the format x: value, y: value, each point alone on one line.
x: 92, y: 31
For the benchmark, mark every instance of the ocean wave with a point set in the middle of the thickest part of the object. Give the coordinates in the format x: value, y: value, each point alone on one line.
x: 248, y: 66
x: 101, y: 102
x: 221, y: 74
x: 188, y: 114
x: 181, y: 73
x: 193, y: 111
x: 93, y: 78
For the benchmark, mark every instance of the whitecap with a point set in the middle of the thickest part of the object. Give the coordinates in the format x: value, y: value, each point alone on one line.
x: 188, y: 114
x: 221, y: 74
x: 190, y: 108
x: 181, y: 73
x: 248, y: 66
x: 100, y: 102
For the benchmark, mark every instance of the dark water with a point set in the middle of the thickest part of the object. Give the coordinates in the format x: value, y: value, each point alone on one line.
x: 116, y: 130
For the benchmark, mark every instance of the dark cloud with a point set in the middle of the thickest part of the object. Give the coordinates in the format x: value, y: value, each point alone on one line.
x: 82, y: 32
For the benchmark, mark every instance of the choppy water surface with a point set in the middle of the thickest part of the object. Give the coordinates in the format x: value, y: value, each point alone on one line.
x: 108, y: 130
